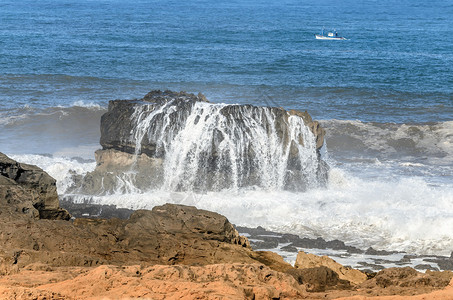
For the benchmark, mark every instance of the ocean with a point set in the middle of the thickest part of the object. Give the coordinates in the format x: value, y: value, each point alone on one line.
x: 384, y: 96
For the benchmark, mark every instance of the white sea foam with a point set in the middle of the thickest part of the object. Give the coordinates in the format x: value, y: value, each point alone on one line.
x: 87, y: 104
x: 388, y: 204
x: 405, y: 215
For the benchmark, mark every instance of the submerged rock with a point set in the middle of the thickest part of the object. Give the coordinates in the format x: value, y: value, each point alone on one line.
x: 180, y: 141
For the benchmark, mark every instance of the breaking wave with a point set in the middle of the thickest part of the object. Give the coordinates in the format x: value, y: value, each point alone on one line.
x: 29, y: 130
x: 431, y: 142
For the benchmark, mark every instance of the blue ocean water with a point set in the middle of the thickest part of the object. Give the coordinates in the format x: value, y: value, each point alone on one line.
x: 384, y: 95
x: 397, y: 65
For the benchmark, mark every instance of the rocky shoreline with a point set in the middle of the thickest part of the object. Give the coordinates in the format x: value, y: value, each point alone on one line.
x: 54, y: 249
x: 288, y: 245
x: 170, y: 252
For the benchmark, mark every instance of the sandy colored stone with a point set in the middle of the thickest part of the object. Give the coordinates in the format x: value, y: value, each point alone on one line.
x: 168, y: 234
x: 307, y: 260
x: 319, y: 279
x: 444, y: 294
x: 271, y: 259
x: 221, y: 281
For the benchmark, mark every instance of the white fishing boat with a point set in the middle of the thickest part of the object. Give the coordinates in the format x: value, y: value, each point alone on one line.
x: 330, y: 35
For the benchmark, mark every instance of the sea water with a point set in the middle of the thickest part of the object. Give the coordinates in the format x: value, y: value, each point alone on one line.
x: 384, y: 96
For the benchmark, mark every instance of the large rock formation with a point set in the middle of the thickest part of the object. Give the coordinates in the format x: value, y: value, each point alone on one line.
x: 29, y: 190
x: 168, y: 234
x: 180, y: 141
x: 118, y: 123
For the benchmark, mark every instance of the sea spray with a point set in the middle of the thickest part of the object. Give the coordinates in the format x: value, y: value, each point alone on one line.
x: 365, y: 204
x: 216, y: 146
x: 404, y: 215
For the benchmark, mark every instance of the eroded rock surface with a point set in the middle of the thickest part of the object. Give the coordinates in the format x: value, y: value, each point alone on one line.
x: 219, y: 281
x: 168, y: 234
x: 29, y: 190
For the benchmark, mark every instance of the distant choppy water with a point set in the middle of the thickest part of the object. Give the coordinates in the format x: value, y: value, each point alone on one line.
x: 397, y: 65
x: 385, y: 97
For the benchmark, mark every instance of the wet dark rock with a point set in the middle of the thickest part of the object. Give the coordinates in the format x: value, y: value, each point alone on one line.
x: 380, y: 261
x: 374, y: 267
x: 116, y: 125
x: 425, y: 267
x: 264, y: 243
x: 407, y: 258
x: 371, y: 251
x: 319, y: 243
x: 254, y: 231
x: 289, y: 248
x: 444, y: 263
x: 353, y: 250
x: 28, y: 190
x: 289, y: 237
x: 119, y: 127
x: 339, y: 245
x: 87, y: 210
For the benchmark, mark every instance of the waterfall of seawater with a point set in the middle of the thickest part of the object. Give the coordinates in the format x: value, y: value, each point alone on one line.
x: 216, y: 146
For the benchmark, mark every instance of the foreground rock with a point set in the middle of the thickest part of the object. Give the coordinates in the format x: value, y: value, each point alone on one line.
x: 28, y: 190
x: 168, y: 234
x: 232, y: 281
x: 219, y: 281
x: 405, y: 281
x: 183, y: 142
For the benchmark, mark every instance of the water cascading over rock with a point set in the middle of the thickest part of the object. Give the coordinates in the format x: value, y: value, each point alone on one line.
x: 181, y: 142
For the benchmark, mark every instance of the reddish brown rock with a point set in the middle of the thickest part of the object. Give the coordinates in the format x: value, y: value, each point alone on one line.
x: 319, y: 279
x: 220, y: 281
x: 307, y: 260
x: 406, y: 281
